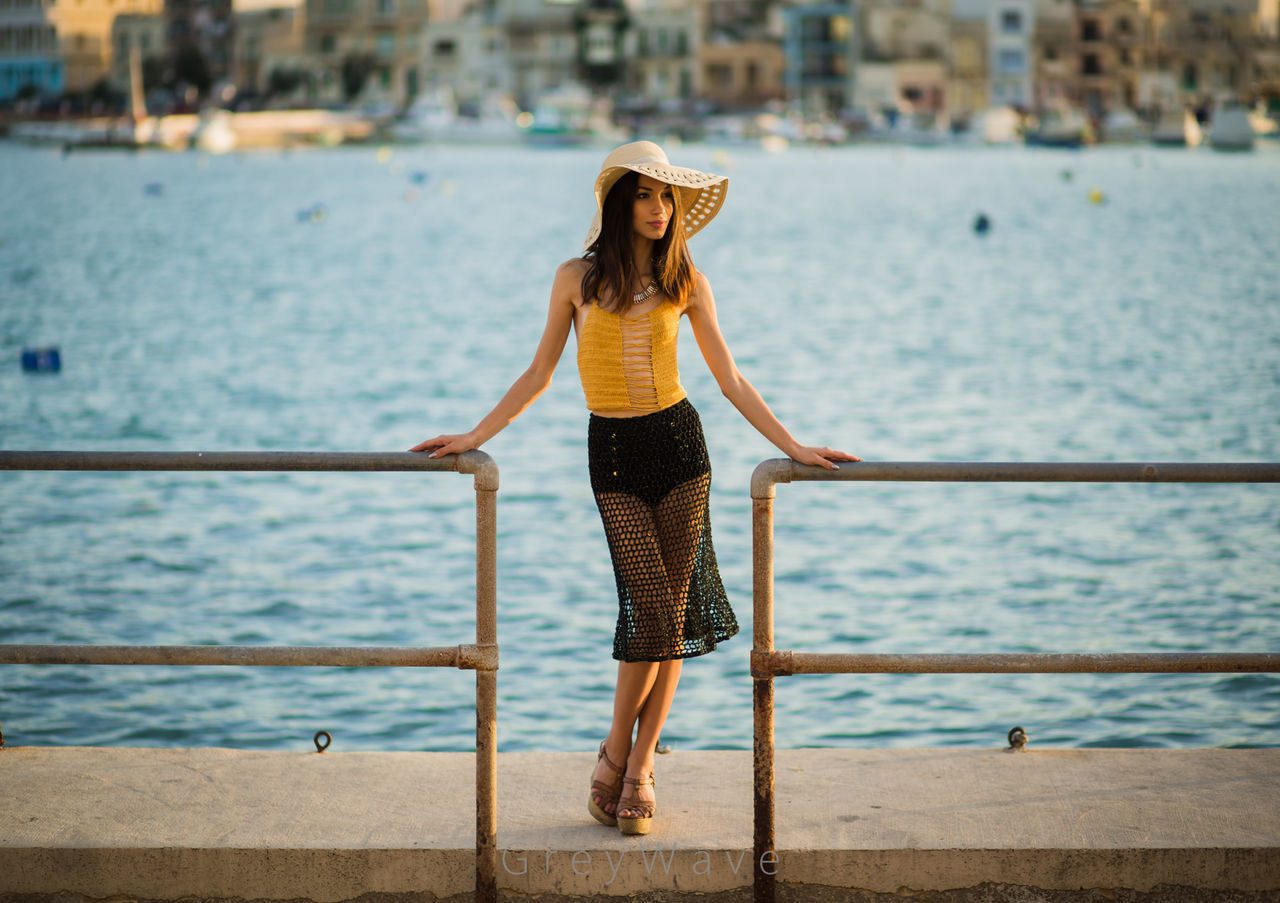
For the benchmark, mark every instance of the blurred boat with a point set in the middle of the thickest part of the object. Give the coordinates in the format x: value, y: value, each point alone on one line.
x: 436, y: 117
x: 1176, y: 128
x: 1264, y: 125
x: 215, y: 131
x: 1230, y: 129
x: 570, y: 116
x: 1124, y: 127
x: 1002, y: 125
x: 1064, y: 127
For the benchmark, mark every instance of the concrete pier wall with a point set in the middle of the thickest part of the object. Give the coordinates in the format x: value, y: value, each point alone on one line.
x: 855, y: 825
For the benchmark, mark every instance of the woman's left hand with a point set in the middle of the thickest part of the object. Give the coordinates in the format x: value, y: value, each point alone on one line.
x: 822, y: 456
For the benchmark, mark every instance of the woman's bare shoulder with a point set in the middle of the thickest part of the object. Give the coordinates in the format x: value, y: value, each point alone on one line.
x: 568, y: 283
x: 700, y: 292
x: 574, y: 266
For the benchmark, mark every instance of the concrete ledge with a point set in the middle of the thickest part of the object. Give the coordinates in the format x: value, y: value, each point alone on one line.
x: 938, y: 825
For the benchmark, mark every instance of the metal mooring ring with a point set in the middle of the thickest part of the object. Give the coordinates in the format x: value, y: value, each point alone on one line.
x: 322, y: 746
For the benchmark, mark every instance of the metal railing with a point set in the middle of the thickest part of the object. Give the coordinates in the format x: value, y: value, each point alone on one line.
x: 768, y: 663
x: 481, y: 656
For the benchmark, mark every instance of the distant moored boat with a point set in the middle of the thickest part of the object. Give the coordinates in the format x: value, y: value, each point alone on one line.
x: 1230, y: 129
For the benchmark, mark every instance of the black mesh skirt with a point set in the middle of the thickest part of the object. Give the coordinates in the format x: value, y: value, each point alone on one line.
x: 652, y: 481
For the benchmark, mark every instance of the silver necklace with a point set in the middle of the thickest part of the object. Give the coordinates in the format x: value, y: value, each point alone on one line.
x: 640, y: 297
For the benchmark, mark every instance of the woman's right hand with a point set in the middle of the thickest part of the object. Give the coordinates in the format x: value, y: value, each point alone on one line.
x: 446, y: 445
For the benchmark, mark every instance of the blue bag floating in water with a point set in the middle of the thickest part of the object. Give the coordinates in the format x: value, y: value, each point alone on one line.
x: 41, y: 360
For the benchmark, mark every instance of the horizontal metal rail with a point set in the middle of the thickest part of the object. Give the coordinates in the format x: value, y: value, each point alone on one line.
x: 783, y: 470
x: 476, y: 463
x: 467, y: 657
x: 785, y: 663
x: 481, y: 656
x: 768, y: 663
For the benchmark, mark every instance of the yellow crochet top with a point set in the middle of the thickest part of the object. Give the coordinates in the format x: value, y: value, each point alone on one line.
x: 629, y: 363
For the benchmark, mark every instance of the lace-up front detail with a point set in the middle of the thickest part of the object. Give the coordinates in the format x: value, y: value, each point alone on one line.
x: 629, y: 363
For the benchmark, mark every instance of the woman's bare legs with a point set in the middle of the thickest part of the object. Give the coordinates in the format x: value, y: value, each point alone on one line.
x: 653, y: 715
x: 641, y: 703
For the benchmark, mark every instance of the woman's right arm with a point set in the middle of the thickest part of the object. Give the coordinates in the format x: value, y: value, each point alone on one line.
x: 534, y: 381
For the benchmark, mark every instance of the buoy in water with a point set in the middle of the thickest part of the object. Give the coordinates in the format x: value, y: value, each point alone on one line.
x: 313, y: 214
x: 982, y: 224
x: 41, y: 360
x: 154, y: 189
x: 418, y: 177
x: 1096, y: 196
x: 1067, y: 175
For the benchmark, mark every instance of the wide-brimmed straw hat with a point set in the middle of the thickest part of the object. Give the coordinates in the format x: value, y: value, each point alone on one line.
x: 701, y: 193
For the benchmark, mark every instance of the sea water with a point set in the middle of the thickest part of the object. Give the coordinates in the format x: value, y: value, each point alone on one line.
x: 1123, y: 306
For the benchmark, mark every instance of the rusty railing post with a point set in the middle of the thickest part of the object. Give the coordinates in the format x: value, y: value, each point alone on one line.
x: 763, y: 480
x: 486, y: 482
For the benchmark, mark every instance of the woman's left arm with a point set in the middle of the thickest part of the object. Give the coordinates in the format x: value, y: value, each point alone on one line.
x: 706, y: 329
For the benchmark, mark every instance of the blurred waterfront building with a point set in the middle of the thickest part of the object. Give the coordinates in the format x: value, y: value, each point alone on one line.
x: 142, y: 32
x: 1055, y: 66
x: 200, y: 36
x: 740, y: 58
x: 1109, y: 46
x: 541, y: 45
x: 660, y: 54
x: 967, y: 73
x: 904, y: 52
x: 30, y: 58
x: 61, y: 47
x: 464, y: 51
x: 366, y: 50
x: 268, y: 51
x: 821, y: 52
x: 1201, y: 50
x: 1010, y: 27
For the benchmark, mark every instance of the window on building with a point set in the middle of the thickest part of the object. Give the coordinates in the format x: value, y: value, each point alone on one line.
x: 122, y: 46
x: 1090, y: 30
x: 1125, y: 57
x: 682, y: 45
x: 328, y: 43
x: 384, y: 77
x: 144, y: 41
x: 815, y: 29
x: 386, y: 45
x: 1090, y: 64
x: 1012, y: 61
x: 6, y: 38
x: 1050, y: 52
x: 1011, y: 21
x: 642, y: 41
x: 597, y: 45
x: 1123, y: 27
x: 385, y: 7
x: 444, y: 49
x: 720, y: 76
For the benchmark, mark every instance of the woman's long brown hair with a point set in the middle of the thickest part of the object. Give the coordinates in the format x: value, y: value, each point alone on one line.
x: 612, y: 269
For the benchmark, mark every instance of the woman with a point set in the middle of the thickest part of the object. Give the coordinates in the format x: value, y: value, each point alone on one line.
x: 648, y: 461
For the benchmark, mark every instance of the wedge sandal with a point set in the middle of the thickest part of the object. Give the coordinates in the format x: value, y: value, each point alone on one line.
x: 609, y: 792
x: 633, y: 825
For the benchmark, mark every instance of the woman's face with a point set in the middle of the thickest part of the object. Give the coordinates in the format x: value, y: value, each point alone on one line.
x: 654, y: 204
